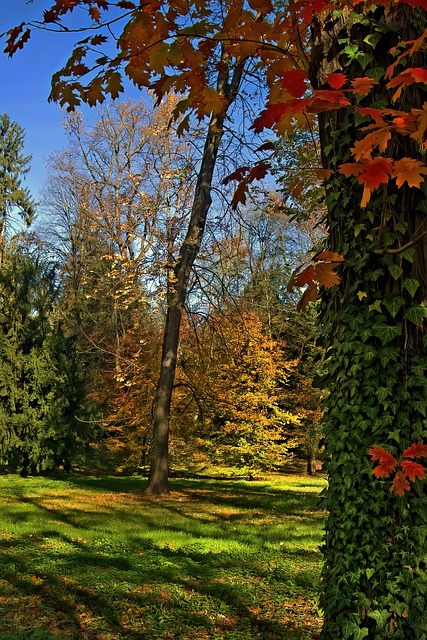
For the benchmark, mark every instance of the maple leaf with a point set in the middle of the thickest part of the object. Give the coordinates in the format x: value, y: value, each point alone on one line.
x: 310, y: 295
x: 362, y: 86
x: 324, y: 173
x: 328, y: 256
x: 409, y: 76
x: 409, y: 170
x: 400, y: 484
x: 238, y: 175
x: 294, y: 82
x: 336, y: 80
x: 326, y: 100
x: 413, y: 470
x: 387, y: 462
x: 416, y: 450
x: 321, y: 271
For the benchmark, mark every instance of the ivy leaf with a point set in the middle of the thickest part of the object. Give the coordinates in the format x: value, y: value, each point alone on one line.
x: 413, y: 470
x: 386, y: 333
x: 416, y: 314
x: 411, y: 285
x: 400, y: 484
x: 416, y: 450
x: 393, y: 304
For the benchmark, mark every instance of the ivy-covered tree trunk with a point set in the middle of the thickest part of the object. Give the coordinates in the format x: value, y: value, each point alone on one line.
x: 374, y: 333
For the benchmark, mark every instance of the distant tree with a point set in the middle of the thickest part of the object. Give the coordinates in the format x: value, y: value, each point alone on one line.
x: 38, y: 390
x: 13, y: 168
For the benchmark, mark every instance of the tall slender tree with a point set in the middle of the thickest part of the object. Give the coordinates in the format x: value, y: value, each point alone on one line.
x: 14, y: 198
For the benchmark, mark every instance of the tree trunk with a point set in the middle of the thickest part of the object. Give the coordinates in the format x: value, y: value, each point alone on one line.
x: 159, y: 465
x: 374, y: 574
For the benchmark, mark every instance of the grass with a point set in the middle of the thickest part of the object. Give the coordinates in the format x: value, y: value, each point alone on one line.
x: 88, y: 558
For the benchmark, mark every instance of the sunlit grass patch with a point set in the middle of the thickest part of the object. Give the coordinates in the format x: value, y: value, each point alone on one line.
x: 91, y: 558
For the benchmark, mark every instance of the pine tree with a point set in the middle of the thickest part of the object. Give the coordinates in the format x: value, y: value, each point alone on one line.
x: 13, y: 167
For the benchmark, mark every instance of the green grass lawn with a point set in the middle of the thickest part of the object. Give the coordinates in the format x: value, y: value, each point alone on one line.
x: 92, y: 558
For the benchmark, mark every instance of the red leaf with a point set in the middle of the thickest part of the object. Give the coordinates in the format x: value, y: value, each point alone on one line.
x: 326, y: 100
x: 376, y: 171
x: 336, y: 80
x: 294, y: 82
x: 413, y: 470
x: 416, y: 450
x: 400, y: 484
x: 387, y: 462
x: 238, y: 175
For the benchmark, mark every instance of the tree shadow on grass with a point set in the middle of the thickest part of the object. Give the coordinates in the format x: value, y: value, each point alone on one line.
x: 133, y: 587
x: 170, y: 593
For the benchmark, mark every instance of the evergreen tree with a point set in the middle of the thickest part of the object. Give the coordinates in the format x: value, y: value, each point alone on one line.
x: 13, y: 167
x: 38, y: 395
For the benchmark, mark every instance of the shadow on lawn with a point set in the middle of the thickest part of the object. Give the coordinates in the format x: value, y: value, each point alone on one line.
x: 98, y: 589
x: 178, y: 594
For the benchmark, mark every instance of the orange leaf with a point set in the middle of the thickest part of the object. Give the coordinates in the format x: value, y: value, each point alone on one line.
x: 309, y: 295
x: 325, y: 274
x: 362, y: 86
x: 413, y: 470
x: 324, y: 173
x: 409, y: 76
x: 328, y: 256
x: 349, y: 169
x: 416, y: 450
x: 336, y: 80
x: 409, y: 170
x: 400, y: 484
x: 387, y: 462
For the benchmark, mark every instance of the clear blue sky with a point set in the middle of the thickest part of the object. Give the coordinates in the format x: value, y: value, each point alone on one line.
x: 25, y: 83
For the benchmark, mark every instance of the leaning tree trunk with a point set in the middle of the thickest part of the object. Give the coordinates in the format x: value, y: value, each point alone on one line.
x: 374, y: 333
x: 159, y: 456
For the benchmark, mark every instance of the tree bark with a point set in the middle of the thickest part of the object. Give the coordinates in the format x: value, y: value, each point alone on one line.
x: 374, y: 572
x: 159, y: 455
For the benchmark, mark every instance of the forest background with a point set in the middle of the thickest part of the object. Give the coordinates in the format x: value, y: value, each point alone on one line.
x: 84, y: 301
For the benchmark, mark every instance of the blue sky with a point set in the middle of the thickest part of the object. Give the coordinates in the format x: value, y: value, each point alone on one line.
x: 25, y: 82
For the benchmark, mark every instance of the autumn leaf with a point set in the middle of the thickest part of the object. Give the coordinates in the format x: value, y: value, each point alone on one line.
x: 362, y: 86
x: 413, y: 470
x: 95, y: 14
x: 310, y: 295
x: 400, y: 484
x: 387, y: 462
x: 409, y: 76
x: 416, y: 450
x: 336, y: 80
x: 328, y: 256
x: 326, y: 100
x: 294, y: 82
x: 324, y: 173
x: 409, y: 170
